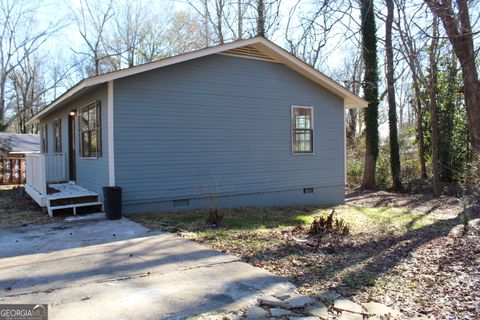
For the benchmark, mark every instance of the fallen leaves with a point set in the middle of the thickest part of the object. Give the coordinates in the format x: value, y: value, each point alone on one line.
x: 426, y: 271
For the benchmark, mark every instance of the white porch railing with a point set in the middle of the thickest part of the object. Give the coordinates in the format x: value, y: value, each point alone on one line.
x: 41, y: 169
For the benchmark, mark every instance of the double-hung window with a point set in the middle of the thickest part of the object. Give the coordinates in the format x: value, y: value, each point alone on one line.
x: 90, y: 131
x: 57, y: 136
x: 302, y: 129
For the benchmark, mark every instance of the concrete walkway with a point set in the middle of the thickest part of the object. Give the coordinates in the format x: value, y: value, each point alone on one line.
x: 118, y: 270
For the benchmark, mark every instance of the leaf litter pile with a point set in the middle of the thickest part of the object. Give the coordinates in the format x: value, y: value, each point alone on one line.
x: 405, y: 251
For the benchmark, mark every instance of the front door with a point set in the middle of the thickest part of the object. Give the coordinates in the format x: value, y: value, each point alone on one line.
x: 71, y: 149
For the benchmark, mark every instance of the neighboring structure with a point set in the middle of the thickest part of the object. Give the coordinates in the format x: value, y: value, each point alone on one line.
x: 240, y: 124
x: 12, y: 161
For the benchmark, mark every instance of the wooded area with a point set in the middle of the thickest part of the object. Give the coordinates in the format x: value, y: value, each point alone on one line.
x: 415, y: 62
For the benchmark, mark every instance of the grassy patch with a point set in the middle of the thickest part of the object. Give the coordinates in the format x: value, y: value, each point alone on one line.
x: 234, y: 219
x: 360, y: 219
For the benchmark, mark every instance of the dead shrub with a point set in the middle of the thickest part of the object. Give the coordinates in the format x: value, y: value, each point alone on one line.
x: 209, y: 194
x: 329, y: 224
x: 214, y: 216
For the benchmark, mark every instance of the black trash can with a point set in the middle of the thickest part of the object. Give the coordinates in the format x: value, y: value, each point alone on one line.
x: 112, y: 201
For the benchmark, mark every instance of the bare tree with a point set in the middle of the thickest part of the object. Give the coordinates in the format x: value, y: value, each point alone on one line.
x: 309, y: 34
x: 350, y: 74
x: 411, y: 52
x: 34, y: 82
x: 128, y: 19
x: 91, y: 19
x: 28, y: 91
x: 163, y: 36
x: 183, y: 35
x: 455, y: 18
x: 153, y: 32
x: 20, y: 36
x: 216, y: 20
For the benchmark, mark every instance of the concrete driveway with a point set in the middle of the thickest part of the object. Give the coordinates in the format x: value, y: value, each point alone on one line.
x: 119, y: 270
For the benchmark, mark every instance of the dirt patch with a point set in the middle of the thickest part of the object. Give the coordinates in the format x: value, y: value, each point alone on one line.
x: 18, y: 209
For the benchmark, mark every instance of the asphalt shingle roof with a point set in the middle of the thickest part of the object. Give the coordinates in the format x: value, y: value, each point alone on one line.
x: 21, y: 143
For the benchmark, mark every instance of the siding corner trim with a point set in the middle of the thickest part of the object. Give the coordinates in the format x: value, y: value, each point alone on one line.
x: 111, y: 157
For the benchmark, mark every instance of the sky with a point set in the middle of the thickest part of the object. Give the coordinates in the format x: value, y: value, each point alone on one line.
x: 68, y: 38
x: 54, y: 11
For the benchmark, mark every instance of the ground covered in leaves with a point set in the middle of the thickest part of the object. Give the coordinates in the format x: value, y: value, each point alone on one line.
x: 406, y: 251
x: 18, y: 209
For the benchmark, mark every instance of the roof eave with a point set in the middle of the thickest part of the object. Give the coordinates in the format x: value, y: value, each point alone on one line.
x: 351, y: 100
x: 67, y: 95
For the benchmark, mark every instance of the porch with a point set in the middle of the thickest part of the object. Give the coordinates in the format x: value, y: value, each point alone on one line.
x: 47, y: 184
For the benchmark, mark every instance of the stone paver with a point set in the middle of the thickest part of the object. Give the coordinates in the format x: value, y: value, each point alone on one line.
x: 299, y: 301
x: 277, y: 312
x: 318, y: 310
x: 350, y: 316
x: 283, y: 295
x: 255, y: 312
x: 328, y: 296
x: 273, y: 302
x: 348, y: 305
x: 379, y: 309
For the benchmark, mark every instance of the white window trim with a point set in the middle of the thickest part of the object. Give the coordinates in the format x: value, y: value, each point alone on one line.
x: 111, y: 153
x: 291, y: 131
x: 77, y: 119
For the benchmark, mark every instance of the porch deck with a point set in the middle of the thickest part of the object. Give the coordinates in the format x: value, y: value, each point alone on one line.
x: 68, y: 190
x: 45, y: 183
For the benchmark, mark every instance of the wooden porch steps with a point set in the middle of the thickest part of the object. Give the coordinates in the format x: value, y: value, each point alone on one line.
x: 72, y: 196
x: 73, y: 206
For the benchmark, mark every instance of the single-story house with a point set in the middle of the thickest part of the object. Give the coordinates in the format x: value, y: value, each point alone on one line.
x: 13, y: 148
x: 238, y: 124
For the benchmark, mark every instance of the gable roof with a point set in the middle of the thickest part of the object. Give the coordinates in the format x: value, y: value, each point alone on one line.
x: 21, y: 143
x: 254, y: 48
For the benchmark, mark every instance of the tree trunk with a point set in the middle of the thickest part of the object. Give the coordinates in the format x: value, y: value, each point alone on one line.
x: 2, y: 112
x: 351, y: 126
x: 260, y: 18
x: 392, y: 107
x: 459, y: 31
x: 432, y: 93
x: 420, y: 135
x: 3, y: 83
x: 370, y: 89
x: 219, y: 9
x: 240, y: 19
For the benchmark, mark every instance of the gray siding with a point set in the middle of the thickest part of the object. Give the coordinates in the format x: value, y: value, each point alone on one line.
x: 91, y: 173
x: 224, y: 122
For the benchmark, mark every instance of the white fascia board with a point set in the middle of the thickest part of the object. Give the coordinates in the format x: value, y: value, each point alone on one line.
x: 351, y: 100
